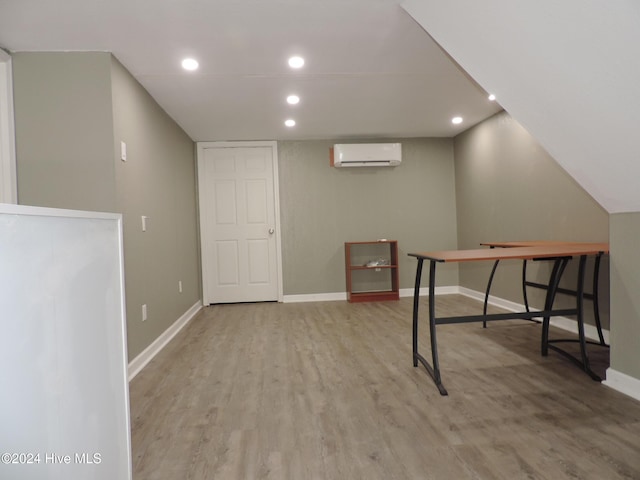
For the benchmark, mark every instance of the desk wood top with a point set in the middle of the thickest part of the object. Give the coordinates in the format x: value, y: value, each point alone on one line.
x: 519, y: 252
x: 538, y: 243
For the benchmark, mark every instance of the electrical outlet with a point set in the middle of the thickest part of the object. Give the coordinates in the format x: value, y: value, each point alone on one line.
x: 144, y: 312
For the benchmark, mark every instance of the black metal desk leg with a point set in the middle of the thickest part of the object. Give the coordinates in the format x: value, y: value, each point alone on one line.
x: 583, y: 361
x: 432, y: 328
x: 596, y: 305
x: 416, y: 303
x: 524, y: 285
x: 486, y: 294
x: 580, y: 308
x: 554, y: 281
x: 434, y: 370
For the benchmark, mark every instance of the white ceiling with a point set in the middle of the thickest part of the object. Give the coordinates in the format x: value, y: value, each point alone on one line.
x: 371, y: 71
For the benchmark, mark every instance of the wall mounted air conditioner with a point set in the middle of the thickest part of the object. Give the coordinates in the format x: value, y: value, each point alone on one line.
x: 367, y: 154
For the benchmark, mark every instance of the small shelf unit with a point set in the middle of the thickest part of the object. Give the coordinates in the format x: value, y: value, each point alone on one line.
x: 372, y: 270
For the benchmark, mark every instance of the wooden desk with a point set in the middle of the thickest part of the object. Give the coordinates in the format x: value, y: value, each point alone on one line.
x: 560, y: 253
x: 593, y: 296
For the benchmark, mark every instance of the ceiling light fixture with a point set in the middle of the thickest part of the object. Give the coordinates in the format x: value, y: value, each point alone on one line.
x: 290, y: 123
x: 190, y: 64
x: 456, y: 120
x: 293, y: 99
x: 492, y: 97
x: 296, y: 62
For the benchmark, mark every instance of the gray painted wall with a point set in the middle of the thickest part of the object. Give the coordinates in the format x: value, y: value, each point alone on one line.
x: 64, y: 130
x: 509, y: 188
x: 158, y: 181
x: 625, y: 301
x: 72, y: 110
x: 323, y: 207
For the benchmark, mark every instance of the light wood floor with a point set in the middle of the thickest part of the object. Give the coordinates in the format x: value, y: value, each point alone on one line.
x: 328, y: 390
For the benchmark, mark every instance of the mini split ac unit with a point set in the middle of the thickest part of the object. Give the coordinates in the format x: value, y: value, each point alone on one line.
x: 367, y: 155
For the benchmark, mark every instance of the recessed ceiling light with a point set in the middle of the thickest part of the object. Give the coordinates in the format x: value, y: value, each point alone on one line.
x: 492, y: 97
x: 296, y: 62
x: 293, y: 99
x: 290, y: 123
x: 456, y: 120
x: 190, y: 64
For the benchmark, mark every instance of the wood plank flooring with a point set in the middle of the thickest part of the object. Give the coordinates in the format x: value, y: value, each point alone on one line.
x: 328, y: 390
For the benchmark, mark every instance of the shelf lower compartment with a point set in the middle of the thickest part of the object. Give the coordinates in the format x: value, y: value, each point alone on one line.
x: 378, y: 296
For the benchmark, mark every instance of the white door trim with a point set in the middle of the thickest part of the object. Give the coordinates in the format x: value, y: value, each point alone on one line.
x: 8, y: 181
x: 201, y: 146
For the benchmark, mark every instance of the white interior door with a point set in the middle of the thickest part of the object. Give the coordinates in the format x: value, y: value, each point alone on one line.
x: 239, y: 228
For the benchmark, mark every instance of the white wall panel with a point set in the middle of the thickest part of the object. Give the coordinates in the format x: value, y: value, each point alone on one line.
x: 64, y: 405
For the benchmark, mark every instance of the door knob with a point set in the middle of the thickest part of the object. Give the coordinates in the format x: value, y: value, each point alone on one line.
x: 271, y: 230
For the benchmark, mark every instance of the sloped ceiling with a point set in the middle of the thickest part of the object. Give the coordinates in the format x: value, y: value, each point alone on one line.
x: 568, y: 71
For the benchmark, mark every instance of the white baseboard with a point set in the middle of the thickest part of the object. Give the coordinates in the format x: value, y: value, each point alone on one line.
x: 138, y: 363
x: 563, y: 323
x: 332, y: 297
x: 424, y: 291
x: 623, y: 383
x: 315, y: 297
